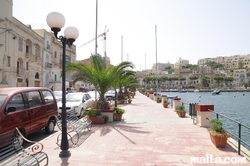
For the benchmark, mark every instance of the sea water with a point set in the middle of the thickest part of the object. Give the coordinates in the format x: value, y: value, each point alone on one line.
x: 235, y: 105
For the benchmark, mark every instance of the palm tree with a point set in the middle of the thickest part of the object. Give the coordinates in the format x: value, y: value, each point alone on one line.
x: 101, y: 77
x: 127, y: 78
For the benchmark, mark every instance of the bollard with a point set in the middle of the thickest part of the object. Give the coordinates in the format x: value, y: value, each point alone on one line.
x: 203, y: 114
x: 151, y: 95
x: 177, y: 102
x: 163, y: 97
x: 155, y: 96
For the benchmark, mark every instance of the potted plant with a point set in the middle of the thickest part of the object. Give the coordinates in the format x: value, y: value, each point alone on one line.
x: 133, y: 94
x: 96, y: 117
x: 118, y: 113
x: 218, y: 134
x: 181, y: 111
x: 165, y: 103
x: 129, y: 99
x: 158, y: 99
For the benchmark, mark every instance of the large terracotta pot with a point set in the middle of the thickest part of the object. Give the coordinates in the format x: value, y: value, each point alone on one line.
x: 218, y: 141
x: 118, y: 117
x: 121, y: 101
x: 165, y: 105
x: 96, y: 120
x: 181, y: 114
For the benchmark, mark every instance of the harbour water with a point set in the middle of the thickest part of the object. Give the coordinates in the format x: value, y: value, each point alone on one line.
x: 235, y: 105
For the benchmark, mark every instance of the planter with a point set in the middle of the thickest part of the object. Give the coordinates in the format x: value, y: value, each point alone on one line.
x: 118, y: 117
x: 158, y: 100
x: 218, y: 141
x: 96, y: 120
x: 129, y: 101
x: 165, y: 105
x: 121, y: 101
x: 181, y: 113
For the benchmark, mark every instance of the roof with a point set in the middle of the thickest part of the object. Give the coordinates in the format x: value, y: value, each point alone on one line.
x: 20, y: 89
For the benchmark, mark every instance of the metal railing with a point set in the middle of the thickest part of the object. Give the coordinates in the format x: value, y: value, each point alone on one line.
x: 238, y: 136
x: 192, y: 112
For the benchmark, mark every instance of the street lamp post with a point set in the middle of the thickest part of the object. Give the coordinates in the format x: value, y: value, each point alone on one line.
x: 56, y: 21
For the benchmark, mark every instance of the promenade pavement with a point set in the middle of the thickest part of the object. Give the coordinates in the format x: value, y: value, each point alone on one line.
x: 148, y: 135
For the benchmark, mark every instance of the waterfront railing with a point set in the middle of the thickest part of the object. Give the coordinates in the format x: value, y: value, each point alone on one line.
x: 235, y: 135
x: 240, y: 127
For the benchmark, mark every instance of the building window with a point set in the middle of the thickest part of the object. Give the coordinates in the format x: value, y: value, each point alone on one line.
x: 19, y: 80
x: 37, y: 76
x: 27, y: 65
x: 20, y: 44
x: 55, y: 54
x: 37, y: 50
x: 8, y: 61
x: 55, y: 77
x: 27, y: 49
x: 48, y: 46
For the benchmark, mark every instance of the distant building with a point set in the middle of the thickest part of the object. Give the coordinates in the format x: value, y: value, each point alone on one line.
x: 180, y: 63
x: 240, y: 77
x: 162, y: 66
x: 229, y: 62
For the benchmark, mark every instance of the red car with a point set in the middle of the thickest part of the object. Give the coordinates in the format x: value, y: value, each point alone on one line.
x: 28, y: 108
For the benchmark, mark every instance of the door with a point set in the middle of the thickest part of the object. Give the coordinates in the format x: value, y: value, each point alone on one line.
x: 36, y: 112
x: 37, y: 83
x: 18, y: 115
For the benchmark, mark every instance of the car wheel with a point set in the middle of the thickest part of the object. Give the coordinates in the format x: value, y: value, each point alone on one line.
x: 19, y: 138
x: 50, y: 127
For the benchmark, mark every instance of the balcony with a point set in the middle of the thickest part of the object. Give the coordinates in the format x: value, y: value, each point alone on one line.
x: 38, y: 59
x: 48, y: 65
x: 30, y: 56
x: 20, y: 71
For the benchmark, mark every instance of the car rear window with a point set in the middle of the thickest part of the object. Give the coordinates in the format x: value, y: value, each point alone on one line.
x: 48, y: 97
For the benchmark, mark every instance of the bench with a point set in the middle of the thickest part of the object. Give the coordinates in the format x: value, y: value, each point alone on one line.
x: 12, y: 152
x: 74, y: 124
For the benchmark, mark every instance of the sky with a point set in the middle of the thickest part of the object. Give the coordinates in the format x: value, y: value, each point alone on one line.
x: 149, y: 31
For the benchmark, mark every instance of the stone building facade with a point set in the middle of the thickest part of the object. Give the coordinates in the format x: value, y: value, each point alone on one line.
x: 29, y: 57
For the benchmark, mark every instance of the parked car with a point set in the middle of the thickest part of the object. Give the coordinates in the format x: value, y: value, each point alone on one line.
x: 94, y: 95
x: 78, y: 101
x: 28, y: 108
x: 70, y: 90
x: 110, y: 95
x: 58, y: 95
x: 82, y: 89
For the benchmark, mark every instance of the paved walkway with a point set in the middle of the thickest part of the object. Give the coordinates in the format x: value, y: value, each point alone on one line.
x: 148, y: 135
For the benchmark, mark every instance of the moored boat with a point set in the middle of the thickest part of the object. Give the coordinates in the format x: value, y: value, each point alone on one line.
x: 216, y: 92
x: 196, y: 90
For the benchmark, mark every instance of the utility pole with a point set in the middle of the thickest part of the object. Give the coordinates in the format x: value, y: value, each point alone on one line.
x: 96, y: 21
x: 122, y: 49
x: 156, y: 67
